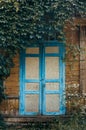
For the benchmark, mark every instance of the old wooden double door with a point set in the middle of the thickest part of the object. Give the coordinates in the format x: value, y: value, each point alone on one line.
x: 42, y: 79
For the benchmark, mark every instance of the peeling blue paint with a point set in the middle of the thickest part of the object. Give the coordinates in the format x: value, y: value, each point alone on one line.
x: 42, y: 92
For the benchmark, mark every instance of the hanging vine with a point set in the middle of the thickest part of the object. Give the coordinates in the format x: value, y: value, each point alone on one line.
x: 25, y: 21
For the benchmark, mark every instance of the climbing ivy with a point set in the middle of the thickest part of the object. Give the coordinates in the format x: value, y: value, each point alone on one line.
x: 24, y: 21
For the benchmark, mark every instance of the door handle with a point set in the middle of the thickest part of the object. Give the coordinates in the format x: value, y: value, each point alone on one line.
x: 43, y: 82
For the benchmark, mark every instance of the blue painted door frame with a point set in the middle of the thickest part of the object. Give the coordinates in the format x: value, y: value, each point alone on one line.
x: 42, y: 92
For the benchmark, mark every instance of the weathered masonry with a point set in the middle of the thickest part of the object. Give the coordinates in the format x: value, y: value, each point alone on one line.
x: 41, y: 79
